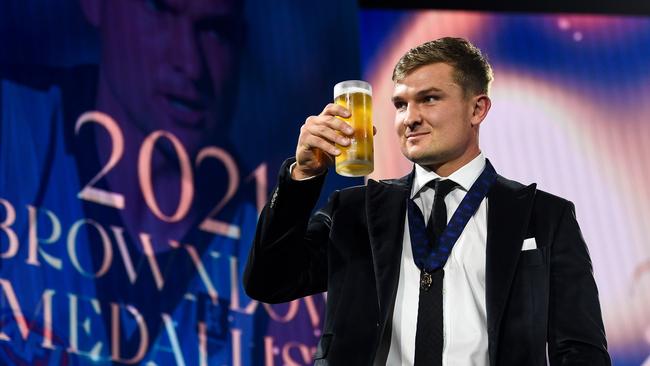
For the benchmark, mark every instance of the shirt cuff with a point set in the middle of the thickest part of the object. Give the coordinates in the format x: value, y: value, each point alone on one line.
x: 308, y: 178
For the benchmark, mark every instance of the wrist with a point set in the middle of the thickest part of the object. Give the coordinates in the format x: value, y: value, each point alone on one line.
x: 298, y: 173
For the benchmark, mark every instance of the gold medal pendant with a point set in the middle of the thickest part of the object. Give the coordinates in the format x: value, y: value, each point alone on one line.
x: 425, y: 280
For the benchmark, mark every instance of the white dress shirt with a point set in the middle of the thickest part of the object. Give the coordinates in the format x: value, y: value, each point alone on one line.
x: 464, y: 314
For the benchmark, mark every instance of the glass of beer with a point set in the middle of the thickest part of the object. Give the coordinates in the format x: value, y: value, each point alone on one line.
x: 356, y: 159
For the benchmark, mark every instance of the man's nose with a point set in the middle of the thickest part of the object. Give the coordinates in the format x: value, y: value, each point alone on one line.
x: 412, y: 116
x: 185, y: 54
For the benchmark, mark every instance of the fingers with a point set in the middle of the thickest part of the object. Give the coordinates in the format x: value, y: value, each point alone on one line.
x: 311, y: 142
x: 318, y: 140
x: 335, y: 110
x: 327, y: 116
x: 331, y: 129
x: 326, y: 130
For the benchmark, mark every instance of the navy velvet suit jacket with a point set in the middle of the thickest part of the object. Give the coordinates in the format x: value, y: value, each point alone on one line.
x: 540, y: 303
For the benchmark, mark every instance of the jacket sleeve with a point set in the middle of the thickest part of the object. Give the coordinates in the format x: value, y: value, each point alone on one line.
x: 288, y: 258
x: 576, y: 335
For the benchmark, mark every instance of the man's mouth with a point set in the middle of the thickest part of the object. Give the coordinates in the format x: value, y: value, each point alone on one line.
x: 187, y: 111
x: 186, y: 104
x: 415, y: 135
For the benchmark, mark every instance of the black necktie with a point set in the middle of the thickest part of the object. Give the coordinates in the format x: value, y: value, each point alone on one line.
x: 429, y: 338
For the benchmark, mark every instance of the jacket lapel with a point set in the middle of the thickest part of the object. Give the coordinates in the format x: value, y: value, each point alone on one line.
x: 509, y: 209
x: 385, y: 210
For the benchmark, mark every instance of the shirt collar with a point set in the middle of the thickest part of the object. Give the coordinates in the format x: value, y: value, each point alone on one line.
x: 465, y: 176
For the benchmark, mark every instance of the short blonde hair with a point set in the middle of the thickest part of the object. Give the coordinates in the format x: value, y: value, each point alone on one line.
x: 472, y: 70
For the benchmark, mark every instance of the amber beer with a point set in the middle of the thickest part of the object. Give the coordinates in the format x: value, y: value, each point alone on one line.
x: 356, y: 159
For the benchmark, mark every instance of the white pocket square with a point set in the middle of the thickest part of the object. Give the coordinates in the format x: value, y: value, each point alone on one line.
x: 529, y: 244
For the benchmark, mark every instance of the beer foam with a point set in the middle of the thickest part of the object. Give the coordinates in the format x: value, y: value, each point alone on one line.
x: 350, y: 89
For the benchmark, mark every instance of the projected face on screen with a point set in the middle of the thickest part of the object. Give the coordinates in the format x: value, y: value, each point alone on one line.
x: 168, y: 64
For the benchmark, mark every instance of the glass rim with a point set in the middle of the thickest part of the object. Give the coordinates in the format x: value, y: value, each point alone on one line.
x: 347, y: 86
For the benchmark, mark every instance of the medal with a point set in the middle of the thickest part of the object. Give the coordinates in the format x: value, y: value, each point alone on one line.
x: 425, y: 281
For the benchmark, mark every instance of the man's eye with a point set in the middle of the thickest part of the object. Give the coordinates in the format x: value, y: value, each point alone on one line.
x: 225, y: 29
x: 157, y: 5
x: 217, y: 33
x: 431, y: 99
x: 399, y: 105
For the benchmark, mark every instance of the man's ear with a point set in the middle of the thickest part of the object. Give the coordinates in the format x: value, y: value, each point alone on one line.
x: 92, y: 10
x: 481, y: 107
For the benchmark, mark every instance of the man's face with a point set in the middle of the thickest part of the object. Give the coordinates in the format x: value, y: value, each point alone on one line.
x: 169, y: 64
x: 435, y: 122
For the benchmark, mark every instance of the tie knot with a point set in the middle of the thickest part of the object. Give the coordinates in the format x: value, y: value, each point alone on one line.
x: 443, y: 187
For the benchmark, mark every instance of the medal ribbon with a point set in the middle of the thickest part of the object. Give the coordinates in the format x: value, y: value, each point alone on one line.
x: 428, y: 258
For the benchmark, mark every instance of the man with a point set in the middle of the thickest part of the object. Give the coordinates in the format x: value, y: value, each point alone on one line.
x: 508, y: 281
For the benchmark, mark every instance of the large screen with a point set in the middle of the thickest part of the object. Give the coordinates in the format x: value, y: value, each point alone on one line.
x: 570, y: 111
x: 139, y: 140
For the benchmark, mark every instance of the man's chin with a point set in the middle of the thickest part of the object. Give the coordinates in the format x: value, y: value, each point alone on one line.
x: 416, y: 155
x: 191, y: 138
x: 418, y: 160
x: 187, y: 143
x: 194, y: 142
x: 424, y: 159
